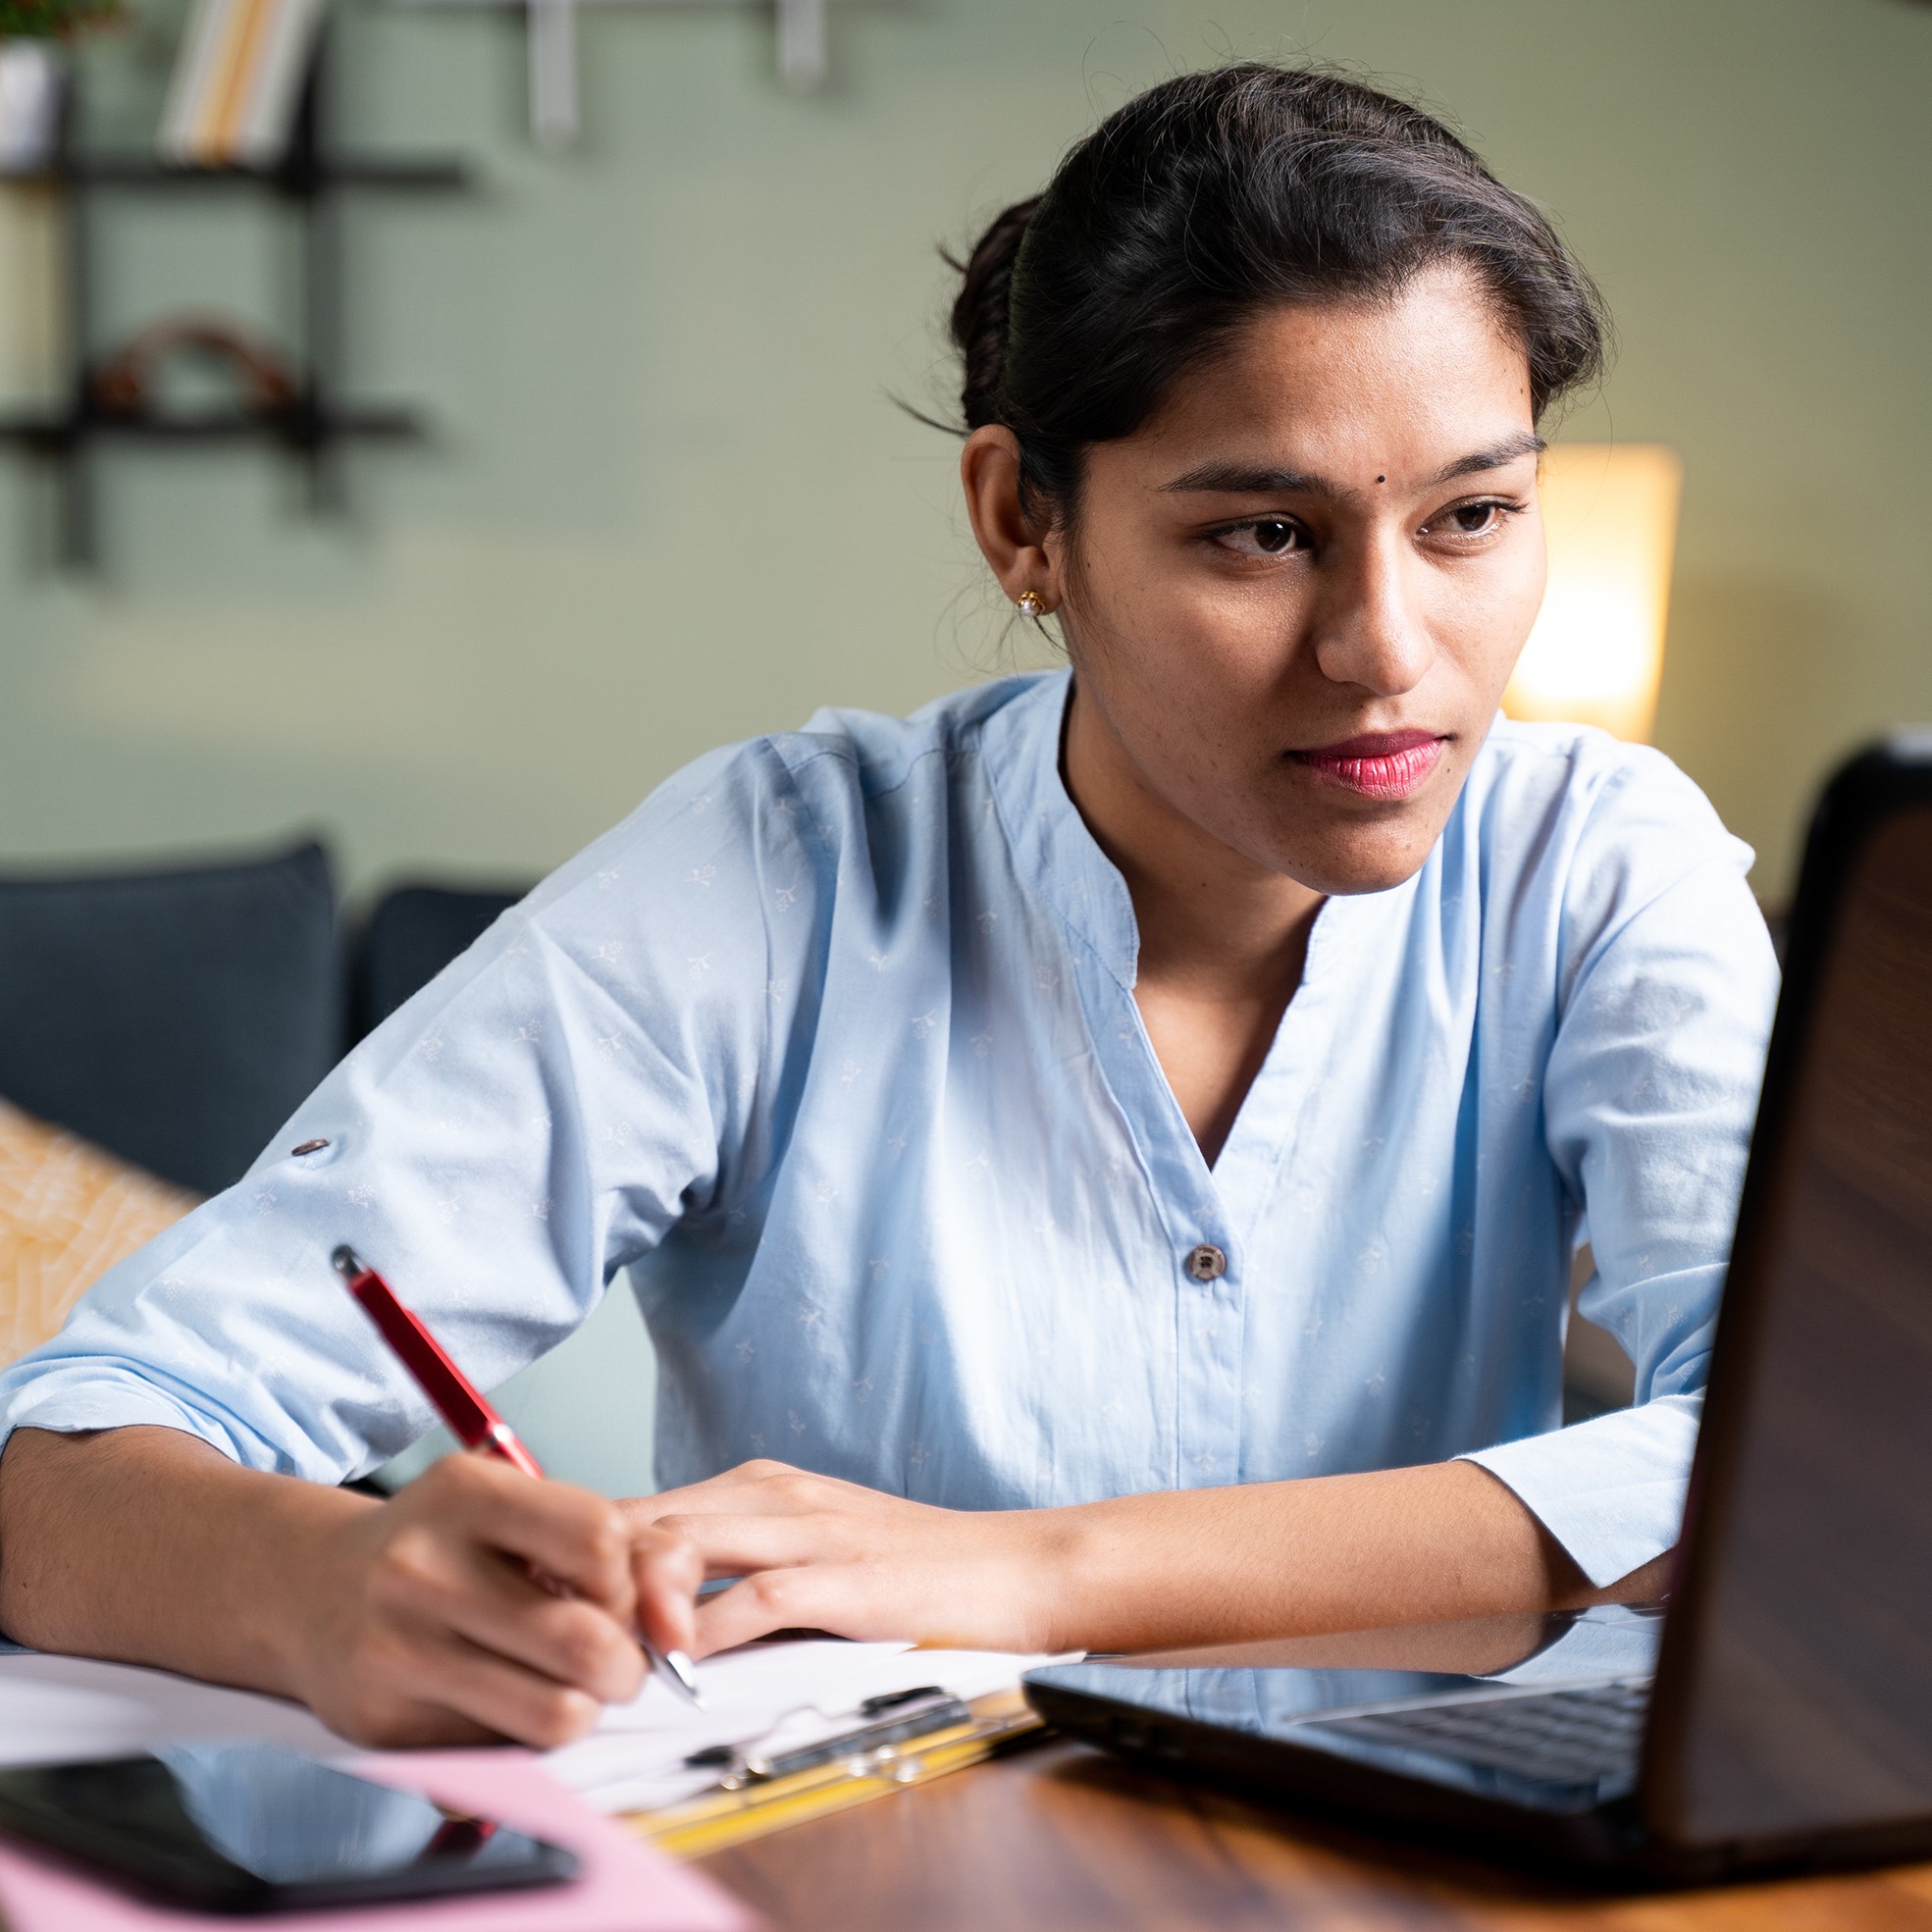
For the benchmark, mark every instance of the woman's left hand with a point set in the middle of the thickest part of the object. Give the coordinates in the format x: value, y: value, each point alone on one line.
x: 815, y: 1553
x: 1164, y: 1570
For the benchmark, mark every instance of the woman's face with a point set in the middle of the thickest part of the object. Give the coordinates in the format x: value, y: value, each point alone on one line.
x: 1293, y: 598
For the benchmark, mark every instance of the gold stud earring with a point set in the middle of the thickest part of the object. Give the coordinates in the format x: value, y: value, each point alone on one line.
x: 1031, y: 605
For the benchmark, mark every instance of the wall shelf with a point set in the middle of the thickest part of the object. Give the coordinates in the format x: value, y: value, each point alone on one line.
x: 326, y: 171
x: 299, y: 428
x: 312, y: 178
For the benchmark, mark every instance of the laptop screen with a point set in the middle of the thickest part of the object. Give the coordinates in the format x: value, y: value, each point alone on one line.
x: 1795, y: 1692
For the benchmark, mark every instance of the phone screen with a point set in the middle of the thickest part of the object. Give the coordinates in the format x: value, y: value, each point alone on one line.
x: 256, y: 1828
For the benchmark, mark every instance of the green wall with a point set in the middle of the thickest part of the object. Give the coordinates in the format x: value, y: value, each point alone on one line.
x: 671, y: 502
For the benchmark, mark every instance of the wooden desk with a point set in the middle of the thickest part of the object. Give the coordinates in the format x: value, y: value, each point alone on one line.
x: 1065, y: 1837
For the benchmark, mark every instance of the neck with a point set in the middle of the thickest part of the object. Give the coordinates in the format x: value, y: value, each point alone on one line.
x: 1210, y: 919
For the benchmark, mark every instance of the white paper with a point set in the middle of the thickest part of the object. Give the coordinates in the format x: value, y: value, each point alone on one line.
x: 771, y: 1697
x: 59, y: 1709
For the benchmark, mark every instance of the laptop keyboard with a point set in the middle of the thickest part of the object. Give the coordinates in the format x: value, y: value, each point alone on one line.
x: 1557, y: 1737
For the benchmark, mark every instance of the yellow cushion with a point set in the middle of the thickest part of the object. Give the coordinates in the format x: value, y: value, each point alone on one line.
x: 67, y: 1213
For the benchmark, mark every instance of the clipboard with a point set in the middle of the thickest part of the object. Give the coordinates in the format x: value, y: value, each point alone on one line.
x: 753, y: 1797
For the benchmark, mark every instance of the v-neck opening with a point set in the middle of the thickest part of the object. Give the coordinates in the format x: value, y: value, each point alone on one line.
x: 1267, y: 1121
x: 1240, y: 1178
x: 1262, y: 1072
x: 1059, y: 855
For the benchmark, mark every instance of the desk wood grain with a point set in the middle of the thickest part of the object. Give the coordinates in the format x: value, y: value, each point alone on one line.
x: 1065, y: 1837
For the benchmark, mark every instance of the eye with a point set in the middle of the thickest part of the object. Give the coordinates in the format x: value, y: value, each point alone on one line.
x: 1462, y: 522
x: 1266, y: 536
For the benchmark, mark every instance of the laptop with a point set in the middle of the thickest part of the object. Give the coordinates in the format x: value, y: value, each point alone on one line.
x: 1777, y: 1712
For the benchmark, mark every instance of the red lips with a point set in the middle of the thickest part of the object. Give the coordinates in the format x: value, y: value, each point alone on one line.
x: 1377, y: 764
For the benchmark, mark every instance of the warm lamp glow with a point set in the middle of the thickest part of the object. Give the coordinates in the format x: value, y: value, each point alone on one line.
x: 1596, y: 653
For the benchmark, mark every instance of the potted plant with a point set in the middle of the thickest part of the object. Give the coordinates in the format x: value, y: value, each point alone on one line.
x: 30, y: 73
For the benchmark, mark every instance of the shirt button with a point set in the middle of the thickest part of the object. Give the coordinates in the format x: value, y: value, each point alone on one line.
x: 1206, y: 1263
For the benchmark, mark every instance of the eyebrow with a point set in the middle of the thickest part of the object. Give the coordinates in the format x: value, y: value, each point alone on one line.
x: 1254, y: 479
x: 1525, y: 443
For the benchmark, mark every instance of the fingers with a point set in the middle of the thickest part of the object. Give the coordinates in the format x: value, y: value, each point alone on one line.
x: 733, y: 1545
x: 490, y: 1691
x: 833, y: 1597
x: 518, y: 1602
x: 432, y: 1577
x: 666, y: 1570
x: 453, y: 1688
x: 480, y: 1601
x: 570, y: 1642
x: 579, y: 1538
x: 475, y: 1585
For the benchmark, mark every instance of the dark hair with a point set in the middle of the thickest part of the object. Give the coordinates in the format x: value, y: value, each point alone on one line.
x: 1209, y: 199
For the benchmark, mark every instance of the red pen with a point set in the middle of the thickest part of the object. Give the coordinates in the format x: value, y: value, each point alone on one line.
x: 460, y: 1404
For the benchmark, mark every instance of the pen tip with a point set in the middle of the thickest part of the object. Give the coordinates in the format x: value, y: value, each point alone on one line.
x: 347, y: 1263
x: 680, y: 1667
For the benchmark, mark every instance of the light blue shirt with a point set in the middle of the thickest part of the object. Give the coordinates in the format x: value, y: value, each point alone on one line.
x: 834, y: 1043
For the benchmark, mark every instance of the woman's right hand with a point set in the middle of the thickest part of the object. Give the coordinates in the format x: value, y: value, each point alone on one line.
x: 426, y: 1619
x: 413, y: 1621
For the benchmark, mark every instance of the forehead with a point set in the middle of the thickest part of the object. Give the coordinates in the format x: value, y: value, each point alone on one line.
x: 1420, y: 377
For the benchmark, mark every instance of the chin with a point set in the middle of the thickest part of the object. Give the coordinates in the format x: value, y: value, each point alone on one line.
x: 1345, y: 866
x: 1351, y: 883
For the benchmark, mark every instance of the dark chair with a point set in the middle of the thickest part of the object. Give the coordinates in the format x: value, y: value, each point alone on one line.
x: 411, y: 936
x: 176, y: 1017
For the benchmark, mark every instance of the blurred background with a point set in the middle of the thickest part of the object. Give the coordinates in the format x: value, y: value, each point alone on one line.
x: 665, y: 499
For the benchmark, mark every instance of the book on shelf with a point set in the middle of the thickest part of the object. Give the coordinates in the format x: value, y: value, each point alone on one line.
x: 238, y: 82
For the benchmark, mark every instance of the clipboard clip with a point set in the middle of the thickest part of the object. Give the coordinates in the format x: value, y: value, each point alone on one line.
x: 727, y: 1814
x: 891, y: 1719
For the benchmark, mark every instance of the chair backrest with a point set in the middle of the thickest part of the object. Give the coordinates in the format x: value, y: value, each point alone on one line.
x: 413, y: 933
x: 176, y: 1017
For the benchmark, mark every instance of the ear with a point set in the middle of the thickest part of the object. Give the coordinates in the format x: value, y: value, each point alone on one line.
x: 1016, y: 549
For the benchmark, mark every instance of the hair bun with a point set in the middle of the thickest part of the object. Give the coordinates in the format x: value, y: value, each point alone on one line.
x: 980, y: 314
x: 1218, y: 196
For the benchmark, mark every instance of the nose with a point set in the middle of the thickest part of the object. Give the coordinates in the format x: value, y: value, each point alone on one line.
x: 1370, y: 629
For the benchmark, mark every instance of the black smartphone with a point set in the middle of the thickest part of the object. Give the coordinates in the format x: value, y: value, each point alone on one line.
x: 254, y: 1828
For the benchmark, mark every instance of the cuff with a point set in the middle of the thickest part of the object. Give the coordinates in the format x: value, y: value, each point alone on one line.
x: 68, y: 1400
x: 1610, y: 1490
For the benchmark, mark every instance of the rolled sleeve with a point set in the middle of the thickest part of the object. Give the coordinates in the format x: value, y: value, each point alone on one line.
x: 80, y: 1393
x: 1667, y: 989
x: 1610, y: 1490
x: 538, y: 1118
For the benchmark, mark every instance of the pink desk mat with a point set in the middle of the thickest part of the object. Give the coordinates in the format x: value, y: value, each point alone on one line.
x: 625, y: 1886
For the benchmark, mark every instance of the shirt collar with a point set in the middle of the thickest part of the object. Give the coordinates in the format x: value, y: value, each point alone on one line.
x: 1059, y: 862
x: 1057, y: 857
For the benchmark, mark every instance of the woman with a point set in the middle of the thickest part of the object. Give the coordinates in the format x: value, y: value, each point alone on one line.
x: 1124, y: 1132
